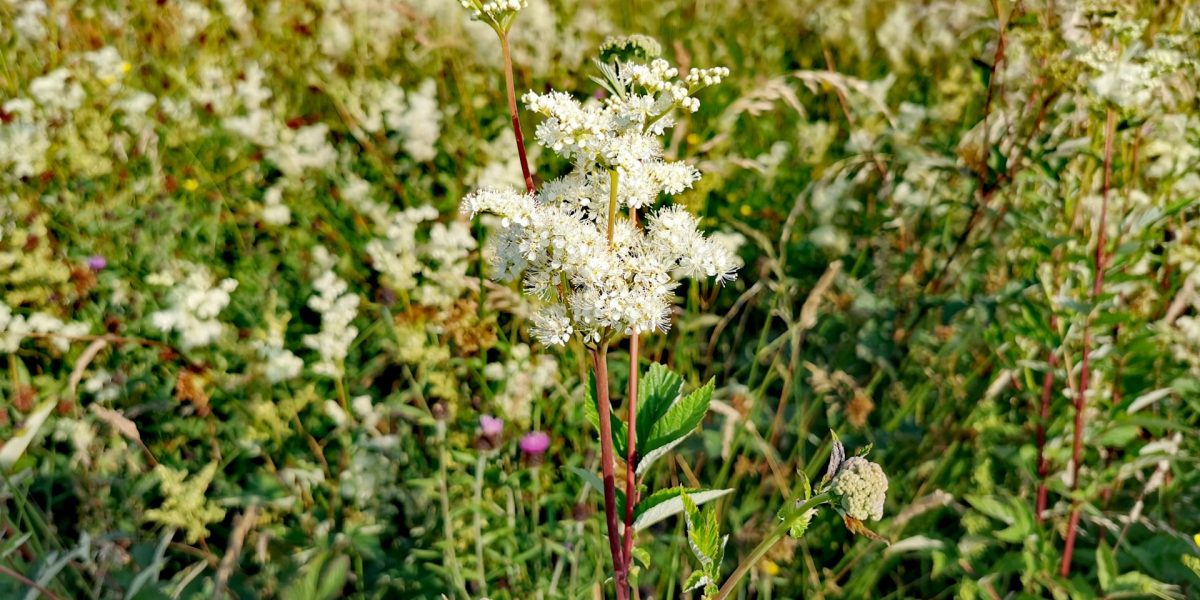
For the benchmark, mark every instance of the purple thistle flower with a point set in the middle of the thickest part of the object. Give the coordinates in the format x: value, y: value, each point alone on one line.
x: 535, y: 443
x: 491, y: 426
x: 97, y: 262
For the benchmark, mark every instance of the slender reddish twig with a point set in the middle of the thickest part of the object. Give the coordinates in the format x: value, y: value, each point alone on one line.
x: 631, y: 492
x: 29, y: 582
x: 1043, y: 416
x: 512, y: 111
x: 604, y: 408
x: 1110, y: 124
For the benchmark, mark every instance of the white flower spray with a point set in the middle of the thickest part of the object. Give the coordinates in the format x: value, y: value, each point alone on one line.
x: 601, y: 273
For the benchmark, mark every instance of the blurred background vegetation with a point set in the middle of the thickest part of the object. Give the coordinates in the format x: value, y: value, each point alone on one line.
x: 915, y: 186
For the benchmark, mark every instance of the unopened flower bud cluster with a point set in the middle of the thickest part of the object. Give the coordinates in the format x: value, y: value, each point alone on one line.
x: 860, y: 488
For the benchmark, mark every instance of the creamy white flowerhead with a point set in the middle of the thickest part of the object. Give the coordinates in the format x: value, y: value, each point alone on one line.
x: 598, y: 278
x: 860, y: 488
x: 194, y: 305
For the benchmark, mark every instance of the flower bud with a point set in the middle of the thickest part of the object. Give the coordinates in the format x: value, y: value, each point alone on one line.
x: 859, y: 489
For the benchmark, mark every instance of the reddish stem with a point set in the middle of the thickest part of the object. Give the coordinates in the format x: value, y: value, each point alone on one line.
x: 604, y: 407
x: 512, y: 110
x: 631, y: 492
x: 1110, y: 124
x: 1043, y: 416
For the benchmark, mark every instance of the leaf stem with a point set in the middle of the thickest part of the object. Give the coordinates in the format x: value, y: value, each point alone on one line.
x: 604, y: 408
x: 448, y: 556
x: 765, y: 546
x: 1064, y: 568
x: 512, y: 110
x: 631, y: 492
x: 481, y: 581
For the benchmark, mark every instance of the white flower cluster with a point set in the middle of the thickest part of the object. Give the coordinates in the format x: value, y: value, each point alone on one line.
x: 30, y: 18
x: 1133, y: 78
x: 434, y: 271
x: 860, y: 488
x: 279, y: 363
x: 526, y: 378
x: 275, y: 211
x: 493, y: 10
x: 293, y: 150
x: 420, y: 123
x: 14, y: 328
x: 338, y: 308
x: 195, y: 303
x: 53, y: 125
x: 597, y: 277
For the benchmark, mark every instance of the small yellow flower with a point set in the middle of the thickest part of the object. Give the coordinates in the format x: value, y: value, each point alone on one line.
x: 745, y: 210
x: 693, y: 139
x: 126, y: 67
x: 770, y: 567
x: 191, y: 185
x: 1196, y: 538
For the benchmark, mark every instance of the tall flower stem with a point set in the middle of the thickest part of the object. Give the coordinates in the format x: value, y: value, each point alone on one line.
x: 1043, y: 465
x: 1110, y: 124
x: 765, y: 546
x: 481, y: 580
x: 631, y: 492
x: 604, y: 408
x: 448, y: 556
x: 512, y: 110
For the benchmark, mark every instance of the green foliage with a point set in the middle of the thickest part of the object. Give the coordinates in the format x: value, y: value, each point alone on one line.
x: 707, y: 545
x: 955, y: 185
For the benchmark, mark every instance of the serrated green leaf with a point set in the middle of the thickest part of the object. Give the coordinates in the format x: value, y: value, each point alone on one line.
x: 670, y: 506
x: 681, y: 418
x: 658, y: 389
x: 644, y: 462
x: 695, y: 581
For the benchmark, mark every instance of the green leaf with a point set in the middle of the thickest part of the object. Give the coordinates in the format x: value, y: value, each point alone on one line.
x: 642, y: 556
x: 991, y: 506
x: 667, y: 503
x: 695, y: 581
x: 333, y: 578
x: 704, y: 536
x: 598, y: 484
x: 1106, y: 566
x: 645, y: 461
x: 681, y: 418
x: 16, y: 446
x: 1191, y: 562
x: 590, y: 478
x: 659, y: 388
x: 1137, y: 582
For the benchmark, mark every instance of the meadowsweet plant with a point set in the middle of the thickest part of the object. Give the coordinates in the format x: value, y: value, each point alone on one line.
x: 602, y: 254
